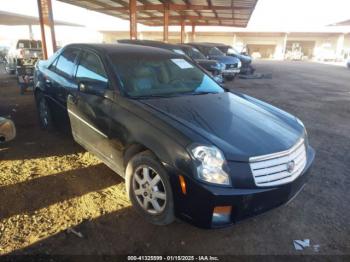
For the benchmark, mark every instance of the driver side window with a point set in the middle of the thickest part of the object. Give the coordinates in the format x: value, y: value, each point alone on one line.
x: 91, y: 69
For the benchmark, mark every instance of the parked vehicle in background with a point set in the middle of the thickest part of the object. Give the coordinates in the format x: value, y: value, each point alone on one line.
x: 245, y: 59
x: 185, y: 146
x: 326, y: 54
x: 7, y: 130
x: 232, y: 64
x: 23, y: 50
x: 21, y: 59
x: 212, y: 66
x: 348, y: 63
x: 3, y: 54
x: 295, y: 53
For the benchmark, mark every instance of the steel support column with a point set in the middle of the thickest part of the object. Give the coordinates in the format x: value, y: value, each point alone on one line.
x: 47, y: 27
x: 133, y: 20
x: 166, y: 23
x: 284, y: 51
x: 193, y: 33
x: 182, y: 32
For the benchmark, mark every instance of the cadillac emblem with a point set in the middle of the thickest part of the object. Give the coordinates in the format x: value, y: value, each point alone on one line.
x: 290, y: 166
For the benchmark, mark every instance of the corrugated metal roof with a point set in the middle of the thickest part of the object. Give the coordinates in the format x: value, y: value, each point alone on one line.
x: 9, y: 18
x: 192, y: 12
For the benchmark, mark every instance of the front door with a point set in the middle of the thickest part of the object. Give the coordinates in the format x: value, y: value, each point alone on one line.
x: 89, y: 109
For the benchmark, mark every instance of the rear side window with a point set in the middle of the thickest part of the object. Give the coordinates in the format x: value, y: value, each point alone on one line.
x: 65, y: 63
x: 90, y: 68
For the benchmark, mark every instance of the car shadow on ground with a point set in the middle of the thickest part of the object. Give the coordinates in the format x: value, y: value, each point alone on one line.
x: 37, y: 193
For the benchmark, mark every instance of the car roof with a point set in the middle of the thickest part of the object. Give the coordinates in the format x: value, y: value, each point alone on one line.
x: 203, y: 44
x: 125, y: 49
x: 216, y: 44
x: 149, y: 43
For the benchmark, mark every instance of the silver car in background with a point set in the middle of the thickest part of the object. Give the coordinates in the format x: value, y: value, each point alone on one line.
x: 7, y: 130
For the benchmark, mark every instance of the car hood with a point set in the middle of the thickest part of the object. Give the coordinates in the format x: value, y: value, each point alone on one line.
x: 207, y: 63
x: 225, y: 59
x: 244, y: 59
x: 239, y: 125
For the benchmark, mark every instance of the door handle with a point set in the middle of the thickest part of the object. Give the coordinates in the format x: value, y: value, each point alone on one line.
x: 47, y: 82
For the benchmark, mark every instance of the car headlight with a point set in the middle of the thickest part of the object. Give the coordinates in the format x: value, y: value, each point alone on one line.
x: 222, y: 66
x: 216, y: 67
x: 299, y: 122
x: 210, y: 164
x: 239, y: 64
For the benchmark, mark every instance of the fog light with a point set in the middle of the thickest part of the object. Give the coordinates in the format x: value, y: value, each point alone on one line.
x: 221, y: 215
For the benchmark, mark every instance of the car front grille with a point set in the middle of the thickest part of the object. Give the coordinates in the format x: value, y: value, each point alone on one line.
x: 279, y: 168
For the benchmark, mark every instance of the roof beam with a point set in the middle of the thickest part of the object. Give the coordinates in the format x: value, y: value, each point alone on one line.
x: 189, y: 17
x: 173, y: 7
x: 196, y: 24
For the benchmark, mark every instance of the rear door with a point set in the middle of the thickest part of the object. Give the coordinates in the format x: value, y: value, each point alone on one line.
x: 58, y: 81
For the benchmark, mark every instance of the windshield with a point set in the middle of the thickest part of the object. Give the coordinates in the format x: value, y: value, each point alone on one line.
x: 233, y: 51
x: 214, y: 51
x: 163, y: 76
x: 196, y: 54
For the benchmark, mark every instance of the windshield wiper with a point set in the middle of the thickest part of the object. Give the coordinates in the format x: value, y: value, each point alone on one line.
x: 198, y: 93
x: 150, y: 96
x: 171, y: 95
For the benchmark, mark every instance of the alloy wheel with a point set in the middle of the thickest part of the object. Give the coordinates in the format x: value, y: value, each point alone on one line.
x: 149, y: 190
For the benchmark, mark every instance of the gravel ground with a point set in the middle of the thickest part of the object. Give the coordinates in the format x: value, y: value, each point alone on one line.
x: 49, y: 184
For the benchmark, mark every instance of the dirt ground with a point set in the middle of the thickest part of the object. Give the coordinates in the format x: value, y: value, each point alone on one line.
x: 49, y: 184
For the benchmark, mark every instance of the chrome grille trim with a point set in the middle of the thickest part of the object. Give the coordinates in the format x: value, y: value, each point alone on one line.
x: 272, y: 169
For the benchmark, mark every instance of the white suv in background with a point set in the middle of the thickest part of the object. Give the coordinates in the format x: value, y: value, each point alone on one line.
x: 24, y: 51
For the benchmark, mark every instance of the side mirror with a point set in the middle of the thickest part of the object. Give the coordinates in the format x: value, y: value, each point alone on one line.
x: 7, y: 130
x: 96, y: 88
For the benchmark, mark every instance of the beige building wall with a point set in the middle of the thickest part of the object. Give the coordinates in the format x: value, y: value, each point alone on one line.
x: 274, y: 43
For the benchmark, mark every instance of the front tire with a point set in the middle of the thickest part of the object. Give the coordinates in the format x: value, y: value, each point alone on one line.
x: 149, y: 189
x: 230, y: 78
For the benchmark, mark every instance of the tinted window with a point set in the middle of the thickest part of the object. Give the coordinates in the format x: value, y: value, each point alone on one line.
x: 165, y: 76
x: 90, y: 68
x: 179, y: 51
x: 215, y: 52
x: 65, y: 63
x: 196, y: 54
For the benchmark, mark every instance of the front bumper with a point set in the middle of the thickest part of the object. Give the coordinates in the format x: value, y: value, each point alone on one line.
x: 198, y: 204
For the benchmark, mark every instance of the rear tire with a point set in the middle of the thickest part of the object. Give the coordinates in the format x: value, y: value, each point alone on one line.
x: 149, y: 189
x: 44, y: 112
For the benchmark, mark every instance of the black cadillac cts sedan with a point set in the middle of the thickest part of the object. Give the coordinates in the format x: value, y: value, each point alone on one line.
x: 185, y: 146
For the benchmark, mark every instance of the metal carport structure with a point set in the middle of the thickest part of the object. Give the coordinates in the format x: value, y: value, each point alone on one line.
x: 14, y: 19
x: 235, y: 13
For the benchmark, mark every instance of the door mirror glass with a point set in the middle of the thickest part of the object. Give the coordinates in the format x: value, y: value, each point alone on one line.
x: 91, y: 87
x: 91, y: 75
x: 7, y: 130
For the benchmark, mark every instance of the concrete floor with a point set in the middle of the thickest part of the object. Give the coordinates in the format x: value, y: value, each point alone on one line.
x: 320, y: 96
